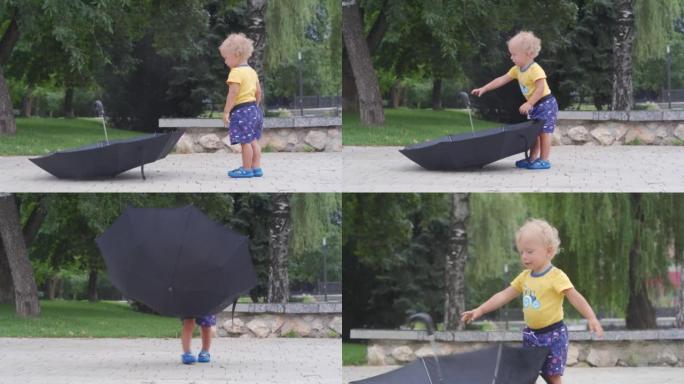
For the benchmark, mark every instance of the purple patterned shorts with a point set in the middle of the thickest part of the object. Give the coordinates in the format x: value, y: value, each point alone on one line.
x: 205, y: 321
x: 547, y: 110
x: 557, y: 342
x: 246, y: 123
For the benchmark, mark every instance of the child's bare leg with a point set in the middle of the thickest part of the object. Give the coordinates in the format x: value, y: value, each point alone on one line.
x: 246, y: 156
x: 256, y: 154
x: 206, y: 338
x: 186, y: 335
x: 545, y: 145
x: 556, y: 379
x: 534, y: 152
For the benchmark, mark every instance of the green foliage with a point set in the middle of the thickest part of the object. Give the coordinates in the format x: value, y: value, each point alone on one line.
x: 655, y: 22
x: 354, y: 354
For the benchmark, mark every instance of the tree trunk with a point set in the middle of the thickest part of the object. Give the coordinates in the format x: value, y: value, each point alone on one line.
x: 623, y: 41
x: 27, y: 103
x: 92, y: 285
x: 454, y: 271
x: 25, y: 292
x: 8, y: 125
x: 395, y: 94
x: 350, y: 100
x: 6, y: 286
x: 640, y: 311
x: 368, y: 89
x: 279, y: 244
x: 52, y: 284
x: 437, y: 94
x: 69, y: 103
x: 256, y: 30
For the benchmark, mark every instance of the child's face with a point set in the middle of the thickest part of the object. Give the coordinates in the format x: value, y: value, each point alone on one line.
x: 534, y: 254
x: 231, y: 60
x: 518, y: 56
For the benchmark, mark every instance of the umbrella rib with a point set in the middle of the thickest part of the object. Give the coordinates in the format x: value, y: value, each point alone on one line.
x: 498, y: 361
x: 426, y: 370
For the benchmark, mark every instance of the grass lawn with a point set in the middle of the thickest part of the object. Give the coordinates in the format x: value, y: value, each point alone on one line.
x: 353, y: 354
x: 61, y: 318
x: 38, y: 136
x: 405, y: 126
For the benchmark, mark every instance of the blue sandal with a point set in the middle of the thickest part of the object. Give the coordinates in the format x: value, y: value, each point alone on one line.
x: 258, y: 172
x: 241, y: 173
x: 540, y: 164
x: 203, y: 357
x: 523, y: 163
x: 188, y: 358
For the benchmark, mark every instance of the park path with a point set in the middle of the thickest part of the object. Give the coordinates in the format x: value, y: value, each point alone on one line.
x: 284, y: 172
x: 157, y: 361
x: 642, y: 375
x: 575, y: 169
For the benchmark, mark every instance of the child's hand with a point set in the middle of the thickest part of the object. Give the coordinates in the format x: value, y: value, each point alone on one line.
x: 226, y: 120
x: 595, y: 327
x: 470, y: 316
x: 478, y: 91
x: 525, y: 108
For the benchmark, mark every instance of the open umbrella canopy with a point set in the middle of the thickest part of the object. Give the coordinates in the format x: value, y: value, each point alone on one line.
x: 499, y: 364
x: 108, y: 159
x: 177, y: 261
x: 474, y: 149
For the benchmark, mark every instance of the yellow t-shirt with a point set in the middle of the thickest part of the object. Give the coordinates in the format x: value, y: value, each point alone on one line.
x: 542, y: 296
x: 527, y: 79
x: 248, y: 80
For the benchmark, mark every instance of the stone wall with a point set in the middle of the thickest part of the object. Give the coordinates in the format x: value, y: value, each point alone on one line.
x: 616, y: 128
x: 617, y: 348
x: 282, y: 320
x: 296, y: 134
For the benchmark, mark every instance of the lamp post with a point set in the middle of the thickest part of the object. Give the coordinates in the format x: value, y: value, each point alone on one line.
x: 301, y: 85
x: 669, y: 77
x: 325, y: 269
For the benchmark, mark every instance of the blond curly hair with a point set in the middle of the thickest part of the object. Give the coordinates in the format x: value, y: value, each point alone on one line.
x: 541, y: 229
x: 238, y: 45
x: 526, y: 42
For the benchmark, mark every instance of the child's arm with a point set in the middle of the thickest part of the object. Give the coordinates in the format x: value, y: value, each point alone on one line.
x: 495, y: 302
x: 258, y: 93
x: 492, y: 85
x: 233, y: 89
x: 580, y: 303
x: 538, y: 92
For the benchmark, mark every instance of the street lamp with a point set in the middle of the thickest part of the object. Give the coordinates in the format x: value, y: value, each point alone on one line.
x: 301, y: 85
x: 325, y: 269
x: 669, y: 78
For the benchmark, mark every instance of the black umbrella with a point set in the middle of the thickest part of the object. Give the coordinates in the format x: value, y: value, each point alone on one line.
x: 177, y: 261
x: 499, y: 364
x: 474, y: 149
x: 108, y: 158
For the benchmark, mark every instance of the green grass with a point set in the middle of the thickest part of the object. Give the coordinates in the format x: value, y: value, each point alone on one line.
x: 38, y: 136
x: 61, y: 318
x: 405, y: 126
x: 353, y: 354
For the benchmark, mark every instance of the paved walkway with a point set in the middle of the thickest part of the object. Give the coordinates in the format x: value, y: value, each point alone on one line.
x: 575, y: 169
x: 645, y: 375
x: 284, y: 172
x: 157, y: 361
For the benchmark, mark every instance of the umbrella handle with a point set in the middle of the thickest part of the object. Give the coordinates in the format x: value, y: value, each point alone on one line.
x: 527, y: 148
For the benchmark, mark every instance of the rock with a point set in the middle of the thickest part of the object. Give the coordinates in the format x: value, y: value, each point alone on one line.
x: 403, y: 354
x: 679, y: 132
x: 573, y: 355
x: 236, y: 148
x: 643, y: 135
x: 259, y: 328
x: 211, y: 141
x: 185, y: 144
x: 601, y: 358
x: 579, y: 133
x: 278, y: 143
x: 604, y: 135
x: 301, y: 327
x: 292, y: 138
x: 316, y: 139
x: 336, y: 324
x: 557, y: 138
x: 666, y: 357
x: 235, y: 327
x: 375, y: 355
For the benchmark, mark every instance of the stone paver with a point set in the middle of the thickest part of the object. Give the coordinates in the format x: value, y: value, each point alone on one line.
x: 645, y: 375
x: 575, y: 169
x: 157, y: 361
x: 284, y: 172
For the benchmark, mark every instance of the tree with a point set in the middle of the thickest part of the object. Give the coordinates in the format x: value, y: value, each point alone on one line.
x: 25, y: 292
x: 454, y: 270
x: 623, y: 42
x: 280, y: 231
x: 365, y: 78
